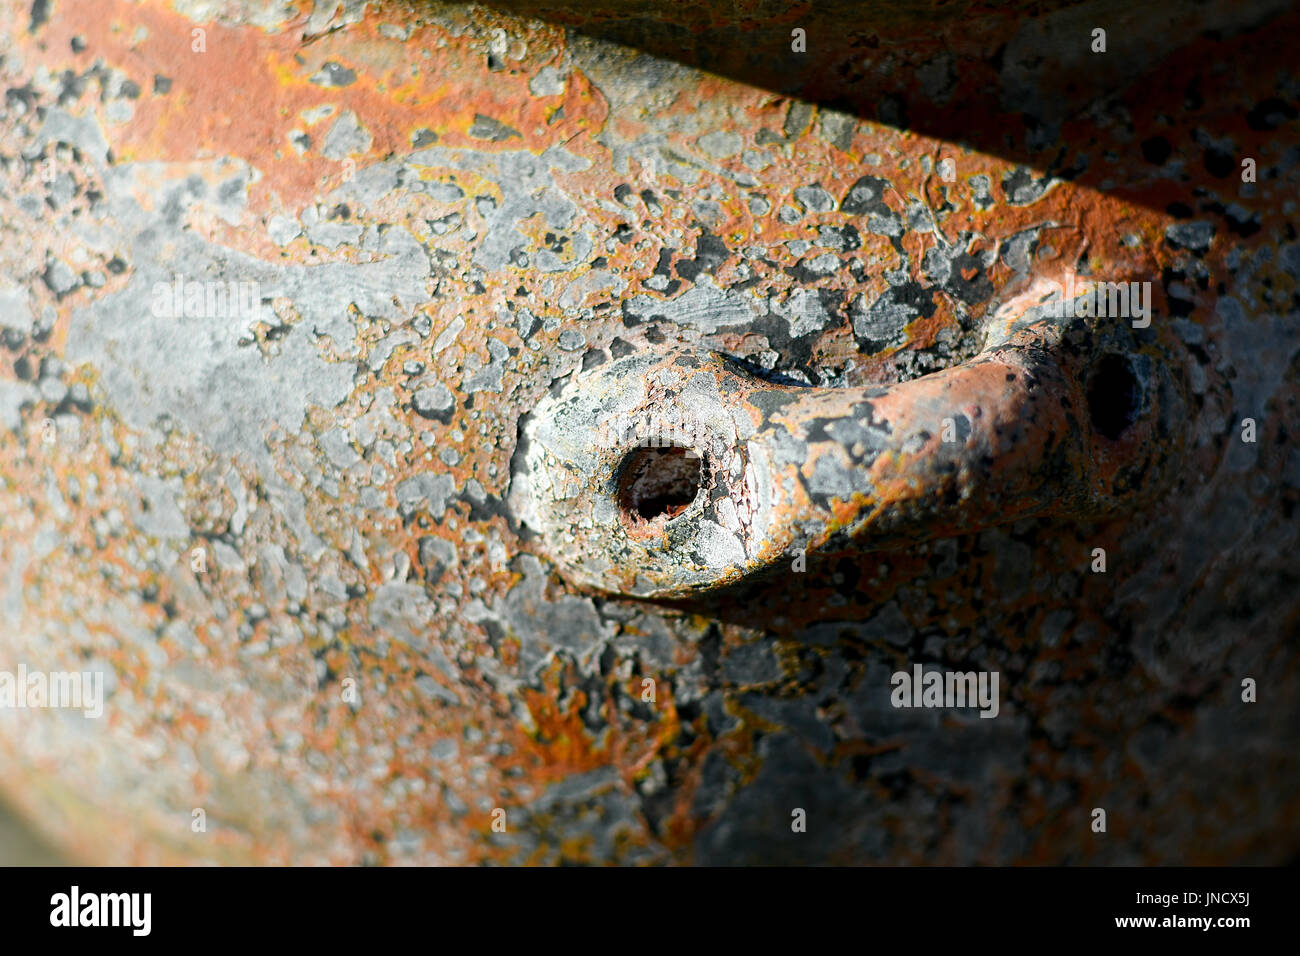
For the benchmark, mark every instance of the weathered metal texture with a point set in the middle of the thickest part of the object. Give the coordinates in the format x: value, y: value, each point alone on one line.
x: 780, y: 471
x: 447, y: 212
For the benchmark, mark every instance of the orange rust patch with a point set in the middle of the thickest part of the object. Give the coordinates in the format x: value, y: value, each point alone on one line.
x: 249, y: 89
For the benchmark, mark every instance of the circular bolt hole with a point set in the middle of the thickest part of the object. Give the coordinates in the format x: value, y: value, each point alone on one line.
x: 658, y: 481
x: 1114, y: 396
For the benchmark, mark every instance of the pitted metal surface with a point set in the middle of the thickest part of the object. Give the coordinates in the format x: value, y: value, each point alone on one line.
x: 295, y: 542
x: 783, y: 471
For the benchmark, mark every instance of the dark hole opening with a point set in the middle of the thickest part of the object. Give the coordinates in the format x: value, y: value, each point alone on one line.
x: 1114, y: 396
x: 659, y: 481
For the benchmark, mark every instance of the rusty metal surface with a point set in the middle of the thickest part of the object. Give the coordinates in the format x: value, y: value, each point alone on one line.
x: 783, y: 471
x: 451, y: 212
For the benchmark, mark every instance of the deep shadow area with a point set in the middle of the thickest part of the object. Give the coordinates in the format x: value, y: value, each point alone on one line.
x: 1023, y: 81
x: 657, y: 481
